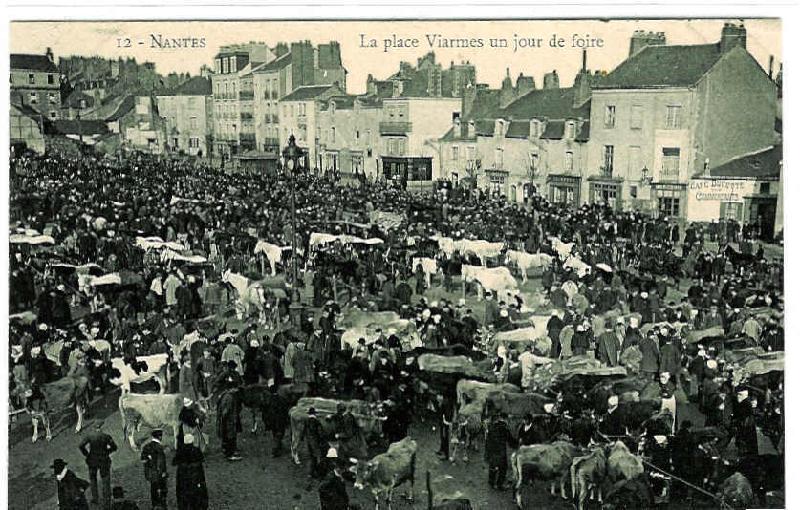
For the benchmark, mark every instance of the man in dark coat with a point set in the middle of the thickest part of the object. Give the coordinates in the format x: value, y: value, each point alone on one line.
x: 608, y: 346
x: 228, y: 422
x: 498, y: 437
x: 71, y: 489
x: 315, y: 440
x: 190, y: 475
x: 744, y: 424
x: 97, y: 448
x: 155, y: 470
x: 333, y: 492
x: 276, y: 418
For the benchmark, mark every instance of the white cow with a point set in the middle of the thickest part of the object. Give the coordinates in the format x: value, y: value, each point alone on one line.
x: 497, y: 279
x: 575, y: 263
x: 563, y: 249
x: 525, y: 261
x: 157, y: 368
x: 248, y: 293
x: 429, y: 267
x: 483, y: 249
x: 151, y: 410
x: 446, y: 245
x: 273, y: 253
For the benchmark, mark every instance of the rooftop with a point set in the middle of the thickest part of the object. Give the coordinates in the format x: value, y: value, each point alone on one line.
x: 545, y: 103
x: 196, y: 86
x: 307, y: 92
x: 29, y: 62
x: 663, y: 66
x: 762, y: 164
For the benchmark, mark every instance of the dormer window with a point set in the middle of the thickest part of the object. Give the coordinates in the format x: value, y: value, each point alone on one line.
x: 536, y: 128
x: 500, y: 127
x: 570, y: 131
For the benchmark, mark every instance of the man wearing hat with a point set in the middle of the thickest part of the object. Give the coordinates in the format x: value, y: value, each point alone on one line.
x: 498, y: 437
x: 155, y: 470
x: 744, y: 424
x: 97, y: 447
x: 611, y: 423
x: 608, y: 346
x: 71, y: 489
x: 315, y: 441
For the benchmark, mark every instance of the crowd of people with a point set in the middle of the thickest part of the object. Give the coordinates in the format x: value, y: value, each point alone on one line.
x: 95, y: 208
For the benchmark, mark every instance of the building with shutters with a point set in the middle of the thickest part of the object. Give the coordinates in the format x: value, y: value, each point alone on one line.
x: 298, y: 115
x: 186, y: 110
x: 670, y: 112
x: 36, y: 81
x: 519, y: 140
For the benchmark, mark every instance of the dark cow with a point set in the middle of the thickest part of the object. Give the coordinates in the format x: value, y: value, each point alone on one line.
x: 547, y: 462
x: 388, y: 470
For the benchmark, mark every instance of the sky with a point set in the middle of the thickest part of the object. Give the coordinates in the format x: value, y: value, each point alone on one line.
x: 607, y: 41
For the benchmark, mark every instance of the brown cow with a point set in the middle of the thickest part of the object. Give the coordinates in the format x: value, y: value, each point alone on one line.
x: 65, y: 393
x: 587, y: 474
x: 388, y: 470
x: 549, y: 462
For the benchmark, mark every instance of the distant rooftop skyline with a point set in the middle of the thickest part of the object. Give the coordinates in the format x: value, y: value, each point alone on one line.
x: 100, y: 38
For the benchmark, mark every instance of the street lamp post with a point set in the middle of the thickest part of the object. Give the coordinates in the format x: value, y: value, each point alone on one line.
x: 291, y: 158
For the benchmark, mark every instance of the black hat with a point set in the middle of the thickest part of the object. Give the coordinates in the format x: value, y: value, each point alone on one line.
x: 312, y: 411
x: 58, y: 465
x: 157, y: 433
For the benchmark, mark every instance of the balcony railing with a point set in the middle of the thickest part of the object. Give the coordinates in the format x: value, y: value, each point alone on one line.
x: 247, y: 137
x: 245, y: 94
x: 394, y: 128
x: 246, y: 116
x: 607, y: 171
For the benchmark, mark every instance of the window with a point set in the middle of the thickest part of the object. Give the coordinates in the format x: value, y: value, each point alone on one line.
x: 174, y: 142
x: 454, y: 152
x: 636, y: 116
x: 51, y: 79
x: 497, y: 183
x: 670, y: 162
x: 193, y: 123
x: 357, y: 163
x: 570, y: 131
x: 358, y: 135
x: 730, y: 210
x: 569, y: 161
x: 534, y: 163
x: 333, y: 135
x: 608, y: 160
x: 471, y: 152
x: 301, y: 109
x: 673, y: 118
x: 669, y: 206
x: 34, y: 98
x: 225, y: 66
x: 634, y: 192
x: 763, y: 188
x: 51, y: 97
x: 605, y: 193
x: 634, y: 161
x: 610, y: 119
x: 498, y: 158
x: 31, y: 79
x: 536, y: 129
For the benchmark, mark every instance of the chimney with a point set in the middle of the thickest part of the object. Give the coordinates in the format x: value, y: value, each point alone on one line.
x: 507, y: 94
x: 468, y: 99
x: 49, y: 54
x: 583, y: 60
x: 733, y: 35
x: 771, y: 65
x: 525, y: 84
x: 641, y: 39
x: 582, y: 87
x: 551, y: 80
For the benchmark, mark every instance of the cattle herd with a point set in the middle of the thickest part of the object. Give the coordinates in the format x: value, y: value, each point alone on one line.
x: 617, y: 359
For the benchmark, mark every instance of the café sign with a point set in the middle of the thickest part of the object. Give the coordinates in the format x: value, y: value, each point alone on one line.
x: 717, y: 191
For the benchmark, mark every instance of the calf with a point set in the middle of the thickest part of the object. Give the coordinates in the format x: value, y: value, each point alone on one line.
x: 587, y: 474
x: 548, y: 462
x: 65, y: 393
x: 153, y: 411
x: 468, y: 427
x: 388, y: 470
